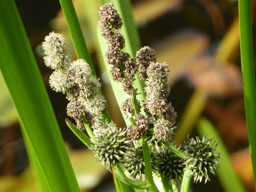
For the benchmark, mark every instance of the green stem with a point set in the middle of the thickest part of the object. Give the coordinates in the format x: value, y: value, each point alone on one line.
x: 136, y: 184
x: 76, y: 32
x: 175, y: 150
x: 135, y: 104
x: 166, y: 185
x: 186, y: 181
x: 148, y: 167
x: 174, y: 186
x: 88, y: 128
x: 248, y: 73
x: 116, y: 182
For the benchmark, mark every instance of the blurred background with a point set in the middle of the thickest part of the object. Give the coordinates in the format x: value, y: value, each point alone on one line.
x: 199, y: 39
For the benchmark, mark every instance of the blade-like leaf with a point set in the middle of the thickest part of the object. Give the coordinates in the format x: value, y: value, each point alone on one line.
x: 248, y: 74
x: 23, y: 79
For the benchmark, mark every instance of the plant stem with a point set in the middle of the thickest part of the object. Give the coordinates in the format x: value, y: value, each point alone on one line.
x: 136, y: 184
x: 116, y: 182
x: 88, y: 128
x: 23, y: 79
x: 135, y: 104
x: 174, y: 187
x: 225, y: 172
x: 248, y: 73
x: 167, y: 187
x: 175, y: 150
x: 148, y: 167
x: 76, y: 32
x: 186, y: 181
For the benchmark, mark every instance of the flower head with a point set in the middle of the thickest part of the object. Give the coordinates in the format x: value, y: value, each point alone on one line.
x: 134, y: 162
x: 168, y: 164
x: 202, y: 158
x: 56, y: 54
x: 110, y: 147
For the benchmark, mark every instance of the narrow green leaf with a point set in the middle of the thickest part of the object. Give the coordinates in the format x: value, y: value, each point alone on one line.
x: 225, y: 172
x: 248, y: 74
x: 37, y: 169
x: 21, y: 74
x: 80, y: 135
x: 136, y: 184
x: 76, y: 32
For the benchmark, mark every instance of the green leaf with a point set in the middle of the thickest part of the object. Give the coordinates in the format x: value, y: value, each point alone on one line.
x: 76, y: 32
x: 21, y: 74
x: 248, y: 74
x: 80, y: 135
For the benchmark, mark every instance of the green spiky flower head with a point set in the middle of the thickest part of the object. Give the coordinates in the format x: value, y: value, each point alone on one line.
x: 134, y: 162
x: 168, y: 164
x: 202, y: 158
x: 110, y: 146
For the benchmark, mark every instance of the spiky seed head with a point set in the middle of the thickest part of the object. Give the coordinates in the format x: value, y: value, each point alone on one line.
x: 202, y: 158
x: 116, y: 73
x: 128, y: 108
x: 163, y: 130
x: 58, y: 81
x: 168, y: 164
x: 110, y: 147
x: 116, y: 41
x: 145, y: 55
x: 109, y: 16
x: 134, y: 162
x: 79, y: 72
x: 56, y: 54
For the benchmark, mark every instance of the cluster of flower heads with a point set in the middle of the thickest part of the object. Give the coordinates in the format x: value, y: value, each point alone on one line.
x: 153, y: 119
x: 157, y: 123
x: 154, y: 75
x: 75, y: 79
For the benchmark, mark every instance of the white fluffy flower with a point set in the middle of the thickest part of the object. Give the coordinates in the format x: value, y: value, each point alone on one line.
x: 56, y: 54
x: 58, y: 81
